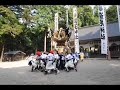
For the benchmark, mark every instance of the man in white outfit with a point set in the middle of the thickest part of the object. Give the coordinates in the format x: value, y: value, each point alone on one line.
x: 51, y: 64
x: 76, y: 58
x: 30, y: 58
x: 50, y: 59
x: 33, y: 62
x: 69, y: 62
x: 43, y: 59
x: 56, y: 56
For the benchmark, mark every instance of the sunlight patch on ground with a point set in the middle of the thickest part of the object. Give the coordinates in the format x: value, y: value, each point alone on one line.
x: 14, y: 64
x: 115, y: 65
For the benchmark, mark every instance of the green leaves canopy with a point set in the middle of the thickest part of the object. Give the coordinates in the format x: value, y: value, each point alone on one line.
x: 8, y: 22
x: 111, y: 13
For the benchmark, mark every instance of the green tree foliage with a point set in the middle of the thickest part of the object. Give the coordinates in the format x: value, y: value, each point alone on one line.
x: 86, y: 16
x: 111, y: 13
x: 8, y: 22
x: 9, y: 26
x: 96, y: 15
x: 42, y: 19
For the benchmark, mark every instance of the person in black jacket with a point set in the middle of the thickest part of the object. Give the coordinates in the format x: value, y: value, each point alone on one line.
x: 62, y: 61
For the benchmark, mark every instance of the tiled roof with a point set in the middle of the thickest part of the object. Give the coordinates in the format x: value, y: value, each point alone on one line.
x: 93, y: 32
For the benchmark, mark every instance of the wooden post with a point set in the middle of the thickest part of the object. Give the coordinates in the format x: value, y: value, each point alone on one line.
x: 45, y: 42
x: 108, y: 56
x: 2, y: 53
x: 51, y: 43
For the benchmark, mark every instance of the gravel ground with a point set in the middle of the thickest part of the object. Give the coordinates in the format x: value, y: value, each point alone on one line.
x: 90, y: 72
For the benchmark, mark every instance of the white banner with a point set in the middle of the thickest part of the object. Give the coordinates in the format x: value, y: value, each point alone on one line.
x: 103, y: 30
x: 56, y: 21
x: 118, y: 12
x: 75, y: 25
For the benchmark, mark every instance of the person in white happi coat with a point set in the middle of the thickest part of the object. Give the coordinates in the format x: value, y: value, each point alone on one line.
x: 50, y: 61
x: 56, y: 56
x: 31, y: 59
x: 76, y: 58
x: 69, y: 61
x: 33, y: 62
x: 43, y: 59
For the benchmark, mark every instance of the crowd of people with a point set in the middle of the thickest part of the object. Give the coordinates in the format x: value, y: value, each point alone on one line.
x: 54, y: 61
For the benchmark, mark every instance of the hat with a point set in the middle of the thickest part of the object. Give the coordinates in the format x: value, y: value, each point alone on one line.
x: 38, y: 53
x: 51, y: 51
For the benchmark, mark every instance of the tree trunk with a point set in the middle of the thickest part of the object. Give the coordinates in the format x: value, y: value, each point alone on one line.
x: 1, y: 58
x: 51, y: 43
x: 35, y: 50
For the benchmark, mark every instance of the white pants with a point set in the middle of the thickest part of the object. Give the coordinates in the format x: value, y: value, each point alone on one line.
x: 75, y: 61
x: 69, y: 64
x: 34, y: 63
x: 49, y: 65
x: 42, y: 63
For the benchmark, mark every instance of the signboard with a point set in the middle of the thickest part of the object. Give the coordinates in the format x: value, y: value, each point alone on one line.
x: 103, y: 30
x: 56, y: 21
x: 118, y: 12
x: 75, y: 25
